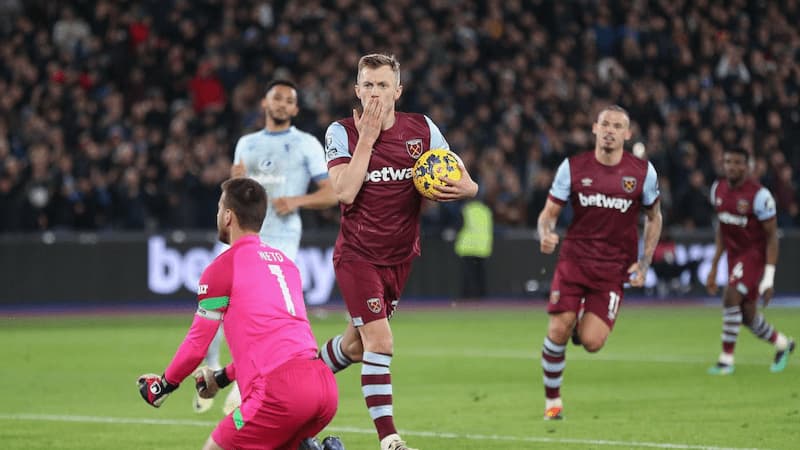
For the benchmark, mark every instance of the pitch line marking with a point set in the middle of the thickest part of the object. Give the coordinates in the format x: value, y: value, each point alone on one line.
x: 609, y: 357
x: 356, y: 430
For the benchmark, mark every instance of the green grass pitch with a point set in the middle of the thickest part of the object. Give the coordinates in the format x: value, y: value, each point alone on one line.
x: 463, y: 379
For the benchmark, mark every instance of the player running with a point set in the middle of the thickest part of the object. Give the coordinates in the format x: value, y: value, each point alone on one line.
x: 608, y: 188
x: 748, y: 232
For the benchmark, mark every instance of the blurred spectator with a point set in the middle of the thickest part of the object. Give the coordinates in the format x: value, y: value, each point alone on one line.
x: 206, y: 90
x: 9, y: 10
x: 70, y: 32
x: 787, y: 197
x: 693, y: 205
x: 669, y: 272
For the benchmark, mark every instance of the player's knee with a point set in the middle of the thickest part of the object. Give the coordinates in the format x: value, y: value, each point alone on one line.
x: 376, y: 337
x: 732, y: 297
x: 593, y: 344
x: 382, y: 345
x: 559, y: 332
x: 353, y: 350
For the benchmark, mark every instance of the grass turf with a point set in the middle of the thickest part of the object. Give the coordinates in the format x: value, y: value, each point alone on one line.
x: 463, y: 379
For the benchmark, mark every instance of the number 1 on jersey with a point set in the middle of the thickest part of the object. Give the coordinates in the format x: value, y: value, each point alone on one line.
x: 287, y: 296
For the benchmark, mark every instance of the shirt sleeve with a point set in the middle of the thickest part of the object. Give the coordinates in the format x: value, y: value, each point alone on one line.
x: 764, y: 205
x: 560, y: 189
x: 336, y: 143
x: 712, y: 197
x: 237, y: 153
x: 650, y: 190
x: 192, y: 351
x: 437, y: 138
x: 315, y: 159
x: 213, y: 296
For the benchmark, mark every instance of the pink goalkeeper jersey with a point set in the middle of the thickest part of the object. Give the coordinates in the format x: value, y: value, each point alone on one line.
x: 258, y: 293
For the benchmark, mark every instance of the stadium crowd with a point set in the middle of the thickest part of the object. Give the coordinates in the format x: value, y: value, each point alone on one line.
x: 124, y: 115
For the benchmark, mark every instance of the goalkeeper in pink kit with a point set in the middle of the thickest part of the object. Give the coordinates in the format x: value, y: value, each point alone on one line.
x: 288, y: 394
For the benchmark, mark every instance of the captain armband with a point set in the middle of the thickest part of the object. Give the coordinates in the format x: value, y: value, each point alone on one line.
x: 208, y: 314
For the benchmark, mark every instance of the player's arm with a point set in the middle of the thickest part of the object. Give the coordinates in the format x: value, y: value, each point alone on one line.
x: 765, y: 287
x: 208, y: 381
x: 764, y: 209
x: 452, y: 190
x: 652, y: 233
x: 652, y: 226
x: 238, y: 169
x: 459, y: 189
x: 156, y: 388
x: 711, y: 279
x: 546, y: 226
x: 348, y: 178
x: 559, y: 194
x: 322, y: 198
x: 213, y: 299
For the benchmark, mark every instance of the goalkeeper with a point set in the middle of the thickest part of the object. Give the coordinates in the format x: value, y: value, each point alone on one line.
x: 288, y: 395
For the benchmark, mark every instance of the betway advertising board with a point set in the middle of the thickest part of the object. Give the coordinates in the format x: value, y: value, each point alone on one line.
x: 119, y: 268
x: 175, y: 270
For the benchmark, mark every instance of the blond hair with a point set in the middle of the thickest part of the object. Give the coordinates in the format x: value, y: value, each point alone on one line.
x: 615, y: 108
x: 376, y: 60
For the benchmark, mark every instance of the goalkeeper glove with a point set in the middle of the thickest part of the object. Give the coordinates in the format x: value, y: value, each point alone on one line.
x: 208, y: 382
x: 155, y: 388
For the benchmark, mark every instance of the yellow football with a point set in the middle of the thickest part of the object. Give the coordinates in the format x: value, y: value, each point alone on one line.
x: 433, y: 165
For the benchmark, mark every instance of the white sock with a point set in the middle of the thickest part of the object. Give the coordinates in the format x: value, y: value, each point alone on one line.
x: 388, y: 440
x: 726, y: 358
x: 781, y: 342
x: 552, y: 403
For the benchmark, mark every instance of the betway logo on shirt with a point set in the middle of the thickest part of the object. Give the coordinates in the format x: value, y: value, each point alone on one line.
x: 266, y: 178
x: 388, y: 174
x: 732, y: 219
x: 603, y: 201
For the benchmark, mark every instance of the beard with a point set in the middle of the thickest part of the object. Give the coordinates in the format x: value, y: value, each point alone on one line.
x: 734, y: 180
x: 280, y: 121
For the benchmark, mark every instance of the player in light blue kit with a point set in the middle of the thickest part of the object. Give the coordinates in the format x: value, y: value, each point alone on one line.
x: 284, y: 160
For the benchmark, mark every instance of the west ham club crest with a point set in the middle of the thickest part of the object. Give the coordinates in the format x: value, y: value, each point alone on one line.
x: 628, y: 184
x: 742, y: 206
x: 414, y: 148
x: 374, y: 305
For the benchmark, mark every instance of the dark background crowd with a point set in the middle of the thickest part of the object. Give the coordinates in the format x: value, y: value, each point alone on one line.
x: 124, y: 115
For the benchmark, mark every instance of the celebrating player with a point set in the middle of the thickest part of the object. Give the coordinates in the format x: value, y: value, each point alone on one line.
x: 607, y: 188
x: 288, y: 394
x: 283, y: 160
x: 369, y: 160
x: 748, y: 232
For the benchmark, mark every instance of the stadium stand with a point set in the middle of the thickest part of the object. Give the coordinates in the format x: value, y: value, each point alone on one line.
x: 123, y: 115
